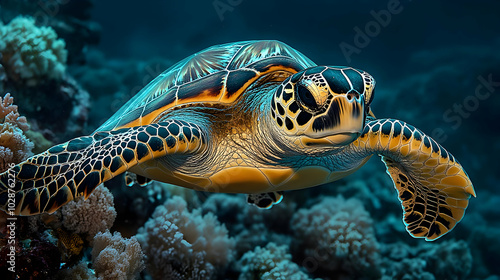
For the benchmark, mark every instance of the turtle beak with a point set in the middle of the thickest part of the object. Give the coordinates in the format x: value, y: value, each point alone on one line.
x: 343, y: 120
x: 340, y: 139
x: 340, y: 125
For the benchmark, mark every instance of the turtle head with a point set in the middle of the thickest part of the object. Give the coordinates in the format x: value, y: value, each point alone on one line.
x: 323, y: 106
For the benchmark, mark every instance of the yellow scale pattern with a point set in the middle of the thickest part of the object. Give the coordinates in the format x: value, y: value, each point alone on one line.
x: 45, y: 182
x: 433, y: 187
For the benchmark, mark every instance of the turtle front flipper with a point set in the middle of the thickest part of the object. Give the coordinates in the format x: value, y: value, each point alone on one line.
x: 45, y: 182
x: 433, y: 188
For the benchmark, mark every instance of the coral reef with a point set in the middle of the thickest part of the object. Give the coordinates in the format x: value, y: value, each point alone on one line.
x: 272, y: 262
x: 31, y: 54
x: 79, y: 271
x: 183, y: 244
x: 35, y: 259
x: 14, y: 145
x: 447, y: 260
x: 375, y: 189
x: 115, y: 257
x: 336, y: 235
x: 70, y: 19
x: 251, y: 226
x: 33, y: 65
x: 9, y: 113
x: 88, y: 217
x: 66, y: 118
x: 481, y: 230
x: 135, y: 204
x: 57, y: 121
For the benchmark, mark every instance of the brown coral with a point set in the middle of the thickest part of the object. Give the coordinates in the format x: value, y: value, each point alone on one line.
x: 14, y: 145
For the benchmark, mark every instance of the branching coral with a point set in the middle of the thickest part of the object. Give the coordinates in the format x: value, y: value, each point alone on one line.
x: 451, y: 259
x: 31, y: 53
x: 96, y: 214
x: 14, y: 146
x: 79, y: 271
x: 447, y: 260
x: 336, y: 235
x: 180, y: 244
x: 272, y: 262
x: 250, y: 225
x: 115, y: 257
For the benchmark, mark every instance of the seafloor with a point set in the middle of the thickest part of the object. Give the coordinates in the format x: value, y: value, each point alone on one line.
x: 68, y: 65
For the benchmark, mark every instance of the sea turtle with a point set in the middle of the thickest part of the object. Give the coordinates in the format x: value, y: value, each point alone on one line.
x: 254, y: 117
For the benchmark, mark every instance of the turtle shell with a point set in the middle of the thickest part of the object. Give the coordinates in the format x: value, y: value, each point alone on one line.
x: 219, y: 74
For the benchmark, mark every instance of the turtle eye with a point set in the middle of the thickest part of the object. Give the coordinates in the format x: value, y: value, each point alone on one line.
x: 306, y: 98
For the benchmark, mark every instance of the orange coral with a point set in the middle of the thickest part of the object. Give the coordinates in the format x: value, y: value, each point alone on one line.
x: 14, y: 145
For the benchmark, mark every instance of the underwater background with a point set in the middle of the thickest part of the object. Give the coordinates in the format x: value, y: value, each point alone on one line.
x: 68, y: 65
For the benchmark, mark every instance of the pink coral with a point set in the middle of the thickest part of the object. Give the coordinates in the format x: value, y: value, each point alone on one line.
x: 14, y: 145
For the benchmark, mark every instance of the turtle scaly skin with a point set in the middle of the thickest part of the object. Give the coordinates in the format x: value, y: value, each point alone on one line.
x: 432, y: 186
x: 254, y: 117
x: 88, y: 161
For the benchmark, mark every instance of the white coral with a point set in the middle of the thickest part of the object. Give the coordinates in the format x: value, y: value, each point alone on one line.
x: 450, y: 259
x: 96, y: 214
x: 337, y: 234
x: 115, y: 257
x: 31, y: 53
x: 79, y: 271
x: 272, y: 262
x: 180, y: 244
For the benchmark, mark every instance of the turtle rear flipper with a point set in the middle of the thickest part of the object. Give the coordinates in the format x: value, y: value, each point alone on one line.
x: 265, y: 200
x: 432, y: 186
x: 132, y: 179
x: 45, y: 182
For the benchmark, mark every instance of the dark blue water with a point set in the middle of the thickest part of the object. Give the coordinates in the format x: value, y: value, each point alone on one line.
x: 436, y: 64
